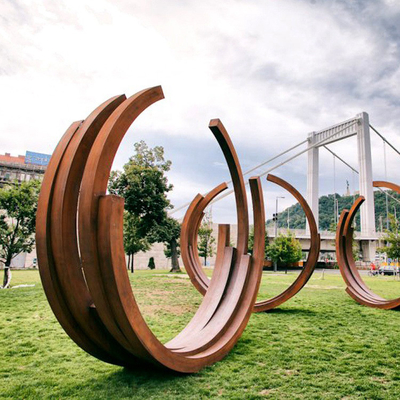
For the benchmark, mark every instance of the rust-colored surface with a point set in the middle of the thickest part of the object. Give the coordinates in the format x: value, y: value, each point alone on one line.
x: 312, y: 258
x: 190, y: 227
x: 356, y: 287
x: 189, y: 233
x: 82, y: 261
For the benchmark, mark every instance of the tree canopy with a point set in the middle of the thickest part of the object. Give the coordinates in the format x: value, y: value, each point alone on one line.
x: 144, y: 186
x: 326, y: 211
x: 133, y: 241
x: 18, y: 205
x: 251, y: 241
x: 285, y: 249
x: 392, y: 239
x: 168, y: 233
x: 206, y: 240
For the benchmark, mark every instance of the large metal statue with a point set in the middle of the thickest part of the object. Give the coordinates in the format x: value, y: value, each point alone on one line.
x: 356, y: 287
x: 79, y: 236
x: 82, y: 261
x: 190, y: 256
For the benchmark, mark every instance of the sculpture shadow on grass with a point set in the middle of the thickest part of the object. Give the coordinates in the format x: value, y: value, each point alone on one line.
x: 294, y: 311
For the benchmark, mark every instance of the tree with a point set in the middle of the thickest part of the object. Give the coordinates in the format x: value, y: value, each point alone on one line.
x: 18, y: 204
x: 251, y: 241
x: 169, y: 233
x: 206, y: 240
x: 133, y: 242
x: 392, y: 239
x: 144, y: 186
x: 285, y: 249
x: 151, y: 264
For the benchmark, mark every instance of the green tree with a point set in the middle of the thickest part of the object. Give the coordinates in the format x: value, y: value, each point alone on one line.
x: 326, y: 213
x: 144, y: 186
x: 18, y: 205
x: 285, y: 249
x: 151, y: 264
x: 251, y: 241
x: 392, y: 239
x: 133, y: 241
x: 206, y: 240
x: 169, y: 233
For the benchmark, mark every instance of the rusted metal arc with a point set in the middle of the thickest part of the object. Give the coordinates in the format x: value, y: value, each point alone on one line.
x: 213, y: 291
x: 350, y: 275
x: 189, y: 230
x: 344, y: 239
x: 312, y: 258
x: 65, y: 287
x: 211, y: 318
x: 96, y: 306
x: 94, y: 184
x: 194, y: 214
x: 63, y: 227
x: 356, y: 287
x: 388, y: 185
x: 235, y: 170
x: 202, y: 283
x: 46, y: 262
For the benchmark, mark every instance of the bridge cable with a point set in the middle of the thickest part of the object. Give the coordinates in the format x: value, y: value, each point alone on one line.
x: 355, y: 171
x: 247, y: 172
x: 280, y: 164
x: 341, y: 159
x: 385, y: 140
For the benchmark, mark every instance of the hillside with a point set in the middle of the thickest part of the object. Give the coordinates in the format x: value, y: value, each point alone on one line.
x: 326, y: 211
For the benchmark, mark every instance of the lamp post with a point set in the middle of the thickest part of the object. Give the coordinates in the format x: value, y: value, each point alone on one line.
x: 275, y: 218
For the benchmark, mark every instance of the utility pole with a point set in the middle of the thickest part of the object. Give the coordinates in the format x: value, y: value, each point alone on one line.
x: 275, y: 218
x: 288, y: 218
x: 386, y: 196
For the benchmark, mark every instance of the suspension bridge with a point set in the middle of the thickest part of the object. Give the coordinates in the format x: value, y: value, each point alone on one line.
x: 360, y: 127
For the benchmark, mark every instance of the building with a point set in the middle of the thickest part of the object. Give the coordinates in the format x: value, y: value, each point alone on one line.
x: 22, y: 168
x: 17, y: 169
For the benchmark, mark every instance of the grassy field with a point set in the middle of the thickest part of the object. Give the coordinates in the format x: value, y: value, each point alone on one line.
x: 319, y: 345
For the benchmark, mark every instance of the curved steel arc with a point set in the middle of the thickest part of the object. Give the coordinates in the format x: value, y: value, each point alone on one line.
x: 312, y: 258
x: 190, y: 226
x: 218, y: 323
x: 356, y: 287
x: 193, y: 266
x: 88, y: 286
x: 58, y: 254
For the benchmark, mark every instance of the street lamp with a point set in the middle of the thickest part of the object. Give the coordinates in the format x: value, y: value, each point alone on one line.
x: 275, y: 218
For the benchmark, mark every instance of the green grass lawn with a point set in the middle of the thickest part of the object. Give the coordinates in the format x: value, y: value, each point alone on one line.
x: 319, y: 345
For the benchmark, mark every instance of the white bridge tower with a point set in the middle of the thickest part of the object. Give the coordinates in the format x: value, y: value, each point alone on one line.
x: 359, y: 125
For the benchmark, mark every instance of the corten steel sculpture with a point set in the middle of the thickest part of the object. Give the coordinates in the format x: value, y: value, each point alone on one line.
x: 82, y: 261
x: 189, y: 233
x: 312, y: 258
x: 356, y: 287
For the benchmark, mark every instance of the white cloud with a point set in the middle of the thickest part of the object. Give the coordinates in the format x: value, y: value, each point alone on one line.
x: 272, y: 71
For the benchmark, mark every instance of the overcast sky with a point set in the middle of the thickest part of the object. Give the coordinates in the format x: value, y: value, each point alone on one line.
x: 272, y: 71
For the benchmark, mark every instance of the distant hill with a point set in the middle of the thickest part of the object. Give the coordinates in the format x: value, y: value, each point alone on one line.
x: 326, y: 211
